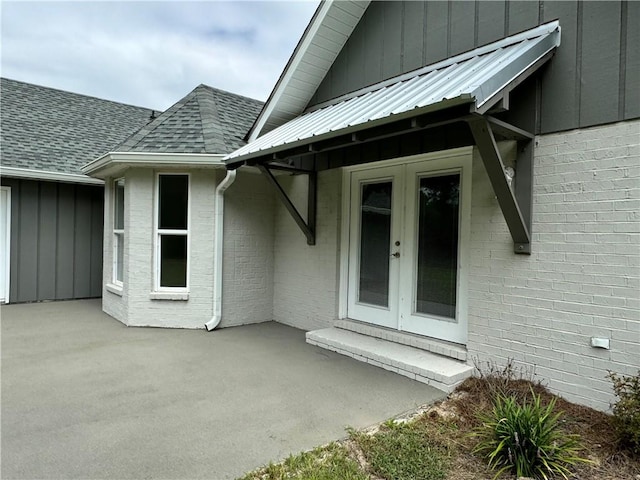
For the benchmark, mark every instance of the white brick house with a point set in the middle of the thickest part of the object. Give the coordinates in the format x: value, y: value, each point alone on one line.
x: 441, y: 183
x: 147, y: 282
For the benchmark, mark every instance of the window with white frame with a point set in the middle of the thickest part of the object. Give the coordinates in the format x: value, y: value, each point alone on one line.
x: 172, y: 232
x: 118, y: 230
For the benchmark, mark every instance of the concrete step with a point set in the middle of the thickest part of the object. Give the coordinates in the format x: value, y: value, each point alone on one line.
x: 426, y: 367
x: 440, y: 347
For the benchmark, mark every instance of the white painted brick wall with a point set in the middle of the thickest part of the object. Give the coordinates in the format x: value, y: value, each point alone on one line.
x: 139, y: 270
x: 306, y: 277
x: 248, y: 254
x: 583, y: 278
x: 247, y: 290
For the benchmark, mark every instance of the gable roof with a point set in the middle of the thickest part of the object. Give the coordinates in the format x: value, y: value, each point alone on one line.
x: 329, y: 29
x: 207, y: 120
x: 48, y: 130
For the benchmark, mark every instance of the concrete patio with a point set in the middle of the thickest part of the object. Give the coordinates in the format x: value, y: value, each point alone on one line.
x: 83, y: 396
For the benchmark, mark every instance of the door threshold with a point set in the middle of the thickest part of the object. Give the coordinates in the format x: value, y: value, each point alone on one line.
x: 429, y: 344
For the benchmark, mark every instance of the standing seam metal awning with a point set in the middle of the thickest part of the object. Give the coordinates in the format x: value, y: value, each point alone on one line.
x: 460, y: 89
x: 481, y: 77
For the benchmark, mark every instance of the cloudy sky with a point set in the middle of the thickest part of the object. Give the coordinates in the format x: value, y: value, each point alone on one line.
x: 150, y: 53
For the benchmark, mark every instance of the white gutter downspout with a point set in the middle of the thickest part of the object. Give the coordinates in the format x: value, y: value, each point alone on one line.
x: 218, y: 249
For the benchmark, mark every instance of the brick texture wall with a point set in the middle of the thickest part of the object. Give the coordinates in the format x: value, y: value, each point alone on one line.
x: 247, y: 291
x: 248, y: 256
x: 139, y: 261
x: 583, y: 278
x: 306, y: 278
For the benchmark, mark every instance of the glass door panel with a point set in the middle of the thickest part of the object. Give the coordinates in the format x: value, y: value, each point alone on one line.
x: 437, y: 242
x: 375, y: 239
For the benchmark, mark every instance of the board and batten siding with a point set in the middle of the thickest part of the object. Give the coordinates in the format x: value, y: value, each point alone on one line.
x: 592, y: 80
x: 56, y: 240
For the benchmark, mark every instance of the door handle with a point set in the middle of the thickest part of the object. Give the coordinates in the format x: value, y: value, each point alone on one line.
x: 396, y: 255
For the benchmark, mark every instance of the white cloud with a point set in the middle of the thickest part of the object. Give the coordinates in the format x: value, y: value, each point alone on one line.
x: 151, y: 53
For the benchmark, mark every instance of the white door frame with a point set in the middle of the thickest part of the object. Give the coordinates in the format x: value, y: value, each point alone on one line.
x: 7, y: 218
x: 460, y: 159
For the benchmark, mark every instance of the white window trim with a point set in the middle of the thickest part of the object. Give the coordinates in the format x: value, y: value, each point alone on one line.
x: 115, y: 232
x: 158, y: 232
x: 7, y: 272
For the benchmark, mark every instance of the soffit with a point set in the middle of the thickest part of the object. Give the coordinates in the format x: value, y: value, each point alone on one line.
x: 328, y: 31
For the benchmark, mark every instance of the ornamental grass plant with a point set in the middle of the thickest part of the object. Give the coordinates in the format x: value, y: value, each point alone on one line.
x: 526, y: 439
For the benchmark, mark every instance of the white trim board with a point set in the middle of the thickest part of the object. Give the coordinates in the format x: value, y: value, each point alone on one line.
x: 42, y: 175
x: 7, y: 240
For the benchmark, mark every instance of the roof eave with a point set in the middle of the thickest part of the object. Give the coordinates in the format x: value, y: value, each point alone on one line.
x: 114, y: 163
x: 48, y: 176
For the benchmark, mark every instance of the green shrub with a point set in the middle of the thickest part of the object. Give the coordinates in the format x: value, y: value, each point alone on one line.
x: 626, y: 410
x: 526, y: 439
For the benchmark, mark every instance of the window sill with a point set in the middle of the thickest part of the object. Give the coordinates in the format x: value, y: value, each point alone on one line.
x: 175, y: 296
x: 115, y: 289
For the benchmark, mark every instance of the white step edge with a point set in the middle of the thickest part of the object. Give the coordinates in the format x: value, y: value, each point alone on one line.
x: 426, y: 367
x: 448, y: 349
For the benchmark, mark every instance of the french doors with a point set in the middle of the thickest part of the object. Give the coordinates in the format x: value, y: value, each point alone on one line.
x: 408, y: 226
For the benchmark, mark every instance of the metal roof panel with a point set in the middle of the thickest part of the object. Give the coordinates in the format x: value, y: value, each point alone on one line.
x: 479, y: 74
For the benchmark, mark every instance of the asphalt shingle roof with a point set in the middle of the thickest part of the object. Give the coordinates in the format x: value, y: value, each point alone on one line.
x: 52, y: 130
x: 207, y: 120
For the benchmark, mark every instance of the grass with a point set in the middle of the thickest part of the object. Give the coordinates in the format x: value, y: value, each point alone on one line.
x: 324, y: 463
x: 403, y: 451
x: 436, y: 443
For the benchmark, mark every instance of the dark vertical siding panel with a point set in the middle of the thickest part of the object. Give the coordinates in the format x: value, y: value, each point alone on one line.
x: 462, y: 32
x: 65, y: 241
x: 437, y: 27
x: 491, y: 17
x: 340, y: 79
x: 43, y: 238
x: 559, y: 108
x: 28, y: 242
x: 97, y: 218
x: 324, y: 90
x: 600, y: 63
x: 47, y: 237
x: 522, y: 16
x: 392, y: 54
x: 412, y: 40
x: 591, y: 80
x: 82, y: 253
x: 632, y: 70
x: 523, y: 102
x: 356, y: 52
x: 374, y: 28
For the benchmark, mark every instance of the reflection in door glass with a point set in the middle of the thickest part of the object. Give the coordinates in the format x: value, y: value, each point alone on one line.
x: 375, y: 232
x: 438, y: 245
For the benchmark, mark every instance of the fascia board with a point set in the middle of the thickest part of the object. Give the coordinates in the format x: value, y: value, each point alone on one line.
x: 114, y: 162
x: 285, y: 78
x: 31, y: 174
